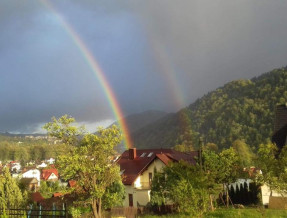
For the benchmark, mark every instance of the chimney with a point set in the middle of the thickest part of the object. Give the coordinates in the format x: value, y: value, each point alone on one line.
x: 132, y: 153
x: 280, y: 117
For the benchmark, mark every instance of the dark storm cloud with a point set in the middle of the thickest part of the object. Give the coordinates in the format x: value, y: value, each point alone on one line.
x: 212, y: 42
x: 204, y: 43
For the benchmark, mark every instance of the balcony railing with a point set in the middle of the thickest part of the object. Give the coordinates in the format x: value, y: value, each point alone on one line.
x: 144, y: 185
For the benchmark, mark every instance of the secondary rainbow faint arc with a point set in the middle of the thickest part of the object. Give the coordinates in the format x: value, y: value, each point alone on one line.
x: 97, y: 71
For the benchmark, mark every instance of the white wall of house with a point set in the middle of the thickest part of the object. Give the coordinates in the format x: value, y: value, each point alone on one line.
x: 265, y: 191
x: 34, y: 173
x: 53, y: 177
x: 16, y: 166
x: 141, y: 187
x: 158, y: 165
x: 51, y: 161
x: 42, y: 165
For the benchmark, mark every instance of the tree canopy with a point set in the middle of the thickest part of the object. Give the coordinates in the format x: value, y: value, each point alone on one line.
x: 11, y: 195
x: 89, y: 161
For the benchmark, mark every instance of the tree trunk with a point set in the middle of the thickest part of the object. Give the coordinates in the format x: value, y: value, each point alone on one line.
x: 95, y: 209
x: 211, y: 202
x: 227, y: 196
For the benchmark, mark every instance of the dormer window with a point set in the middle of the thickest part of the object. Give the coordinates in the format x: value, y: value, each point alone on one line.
x: 143, y: 154
x: 150, y: 154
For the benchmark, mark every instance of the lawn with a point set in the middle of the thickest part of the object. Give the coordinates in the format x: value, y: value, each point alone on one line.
x: 233, y: 213
x: 252, y: 213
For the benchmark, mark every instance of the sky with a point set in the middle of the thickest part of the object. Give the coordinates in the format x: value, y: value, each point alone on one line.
x: 154, y: 54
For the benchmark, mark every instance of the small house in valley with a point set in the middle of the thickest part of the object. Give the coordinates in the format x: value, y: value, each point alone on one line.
x: 138, y: 167
x: 50, y: 175
x: 31, y: 184
x: 32, y: 173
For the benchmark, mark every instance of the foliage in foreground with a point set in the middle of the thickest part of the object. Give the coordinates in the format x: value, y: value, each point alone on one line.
x: 273, y: 164
x: 11, y: 195
x: 182, y: 184
x: 192, y: 188
x: 89, y: 161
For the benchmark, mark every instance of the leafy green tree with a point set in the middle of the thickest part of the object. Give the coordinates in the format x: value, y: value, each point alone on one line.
x: 89, y: 162
x: 244, y: 152
x: 62, y: 129
x: 211, y: 146
x: 183, y: 185
x: 273, y: 166
x: 229, y: 169
x: 23, y: 155
x: 183, y: 148
x: 37, y: 152
x: 212, y: 170
x: 10, y: 193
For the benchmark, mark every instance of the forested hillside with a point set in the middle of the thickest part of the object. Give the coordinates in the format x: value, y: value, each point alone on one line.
x: 137, y: 121
x: 16, y: 147
x: 242, y: 109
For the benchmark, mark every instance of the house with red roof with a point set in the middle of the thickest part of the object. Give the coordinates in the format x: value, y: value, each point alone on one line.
x: 50, y: 174
x: 138, y: 167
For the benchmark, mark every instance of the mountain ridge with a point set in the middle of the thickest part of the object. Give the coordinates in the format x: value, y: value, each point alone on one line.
x: 241, y: 109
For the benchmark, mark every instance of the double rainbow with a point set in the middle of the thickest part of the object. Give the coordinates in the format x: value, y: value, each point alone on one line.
x: 91, y: 61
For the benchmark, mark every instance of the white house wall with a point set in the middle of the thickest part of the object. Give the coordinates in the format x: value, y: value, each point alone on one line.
x: 53, y: 177
x: 157, y: 164
x: 141, y: 189
x: 265, y: 191
x: 32, y: 174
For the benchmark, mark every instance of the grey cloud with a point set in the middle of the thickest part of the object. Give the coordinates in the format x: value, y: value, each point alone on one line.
x: 204, y: 43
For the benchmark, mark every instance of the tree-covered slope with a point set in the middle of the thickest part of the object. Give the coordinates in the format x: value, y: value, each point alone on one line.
x: 242, y: 109
x: 139, y: 120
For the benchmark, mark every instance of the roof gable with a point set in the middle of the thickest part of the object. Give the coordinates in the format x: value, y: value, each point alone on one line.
x: 133, y: 167
x: 47, y: 173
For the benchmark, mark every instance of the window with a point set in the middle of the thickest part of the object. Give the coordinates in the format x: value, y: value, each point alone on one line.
x: 150, y: 178
x: 143, y: 154
x: 131, y: 200
x: 150, y: 154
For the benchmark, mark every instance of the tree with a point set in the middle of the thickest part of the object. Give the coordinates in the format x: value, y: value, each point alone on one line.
x: 89, y: 161
x: 63, y: 130
x: 182, y: 184
x: 183, y: 148
x: 273, y: 166
x: 211, y: 167
x: 10, y: 193
x: 229, y: 169
x: 244, y: 152
x: 211, y: 146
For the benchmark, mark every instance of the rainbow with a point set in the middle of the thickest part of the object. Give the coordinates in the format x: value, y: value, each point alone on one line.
x: 96, y: 69
x: 162, y: 58
x: 167, y: 69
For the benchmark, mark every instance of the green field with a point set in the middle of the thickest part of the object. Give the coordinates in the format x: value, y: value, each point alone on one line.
x: 233, y: 213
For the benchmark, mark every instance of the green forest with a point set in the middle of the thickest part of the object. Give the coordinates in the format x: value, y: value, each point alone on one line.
x: 240, y: 110
x: 28, y: 149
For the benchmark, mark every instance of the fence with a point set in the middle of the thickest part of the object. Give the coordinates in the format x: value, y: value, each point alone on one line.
x: 34, y: 212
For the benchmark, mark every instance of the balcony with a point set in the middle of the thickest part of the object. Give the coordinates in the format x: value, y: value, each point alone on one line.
x: 143, y: 185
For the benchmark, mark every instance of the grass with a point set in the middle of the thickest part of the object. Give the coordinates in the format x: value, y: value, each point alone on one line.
x: 233, y: 213
x: 249, y: 212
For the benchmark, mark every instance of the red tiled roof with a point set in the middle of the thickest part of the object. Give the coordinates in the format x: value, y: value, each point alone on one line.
x: 46, y: 173
x: 57, y: 194
x: 72, y: 183
x: 132, y: 168
x: 164, y: 158
x: 36, y: 197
